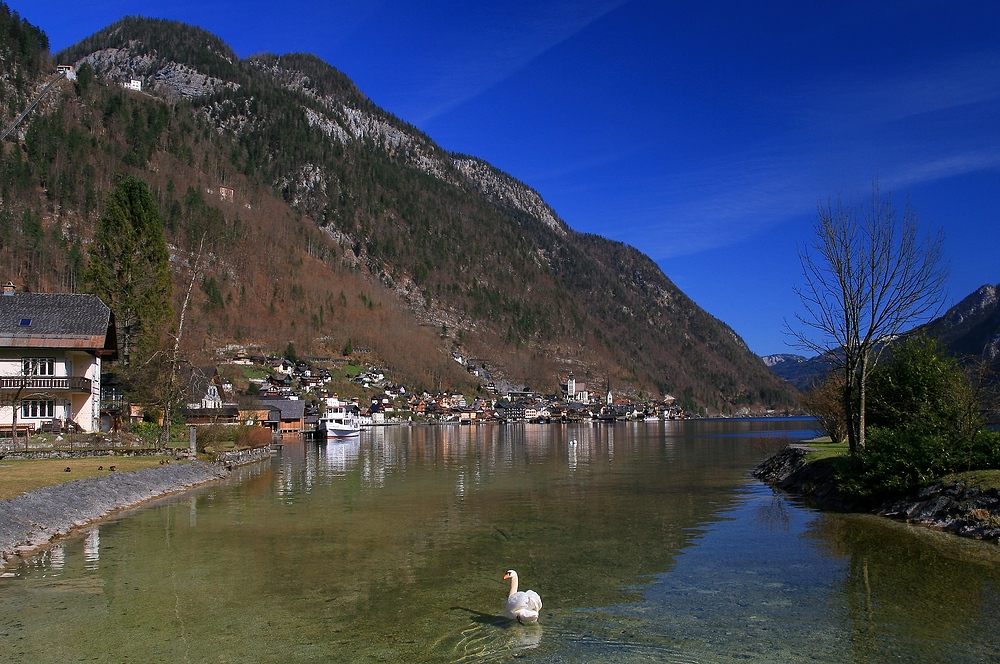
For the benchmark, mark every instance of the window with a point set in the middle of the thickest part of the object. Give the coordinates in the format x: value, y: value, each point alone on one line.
x: 38, y: 366
x: 37, y: 408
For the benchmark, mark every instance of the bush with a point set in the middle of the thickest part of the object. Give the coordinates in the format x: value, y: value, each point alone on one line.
x: 213, y: 435
x: 148, y: 431
x: 250, y: 436
x: 825, y: 402
x: 923, y: 389
x: 898, y: 461
x: 984, y: 451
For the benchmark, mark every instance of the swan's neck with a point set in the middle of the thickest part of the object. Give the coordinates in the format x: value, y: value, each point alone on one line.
x: 513, y: 584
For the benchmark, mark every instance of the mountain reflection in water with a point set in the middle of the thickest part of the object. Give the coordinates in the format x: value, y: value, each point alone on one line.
x: 645, y: 541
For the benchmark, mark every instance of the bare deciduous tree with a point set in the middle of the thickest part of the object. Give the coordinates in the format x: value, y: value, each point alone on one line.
x: 869, y: 275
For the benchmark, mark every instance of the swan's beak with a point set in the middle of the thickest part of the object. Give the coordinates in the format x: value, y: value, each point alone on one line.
x: 506, y: 576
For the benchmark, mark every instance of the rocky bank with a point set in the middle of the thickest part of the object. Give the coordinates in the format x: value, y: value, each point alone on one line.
x: 33, y: 519
x: 952, y: 507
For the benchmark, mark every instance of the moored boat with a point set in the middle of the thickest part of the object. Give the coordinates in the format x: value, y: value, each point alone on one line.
x: 338, y: 420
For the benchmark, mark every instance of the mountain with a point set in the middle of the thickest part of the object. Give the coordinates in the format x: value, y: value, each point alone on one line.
x: 970, y: 329
x: 801, y: 372
x: 329, y: 222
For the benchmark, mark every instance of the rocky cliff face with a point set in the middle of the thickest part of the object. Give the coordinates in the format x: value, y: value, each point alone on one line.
x: 505, y: 191
x: 972, y: 327
x: 782, y: 360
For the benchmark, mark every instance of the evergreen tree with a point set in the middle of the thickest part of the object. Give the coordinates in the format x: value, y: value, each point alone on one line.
x: 130, y: 268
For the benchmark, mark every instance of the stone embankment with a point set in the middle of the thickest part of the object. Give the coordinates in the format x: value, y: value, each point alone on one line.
x: 952, y: 507
x: 33, y: 519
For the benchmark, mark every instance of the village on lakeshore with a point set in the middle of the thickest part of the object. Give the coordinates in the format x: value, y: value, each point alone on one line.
x: 53, y: 379
x: 293, y: 395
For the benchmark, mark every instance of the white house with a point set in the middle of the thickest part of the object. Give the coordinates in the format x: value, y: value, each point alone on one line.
x: 51, y: 348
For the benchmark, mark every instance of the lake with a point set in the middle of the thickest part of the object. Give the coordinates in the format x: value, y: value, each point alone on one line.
x: 647, y: 541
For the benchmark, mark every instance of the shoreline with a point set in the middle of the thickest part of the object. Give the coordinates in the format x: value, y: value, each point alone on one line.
x: 32, y: 520
x: 950, y: 507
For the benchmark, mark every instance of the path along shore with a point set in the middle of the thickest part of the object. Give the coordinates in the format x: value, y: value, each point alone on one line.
x: 33, y: 519
x: 952, y: 507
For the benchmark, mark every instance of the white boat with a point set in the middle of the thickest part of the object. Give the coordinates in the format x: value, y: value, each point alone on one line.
x: 339, y: 422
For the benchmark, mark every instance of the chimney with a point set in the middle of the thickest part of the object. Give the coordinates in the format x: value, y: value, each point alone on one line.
x: 8, y: 288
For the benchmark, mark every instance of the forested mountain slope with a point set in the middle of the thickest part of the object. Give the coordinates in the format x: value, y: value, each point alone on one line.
x: 328, y: 220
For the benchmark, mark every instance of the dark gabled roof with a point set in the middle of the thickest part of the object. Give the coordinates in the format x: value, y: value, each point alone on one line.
x: 57, y: 320
x: 290, y: 410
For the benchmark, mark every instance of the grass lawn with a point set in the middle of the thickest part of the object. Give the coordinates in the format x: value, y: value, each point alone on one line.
x: 22, y: 475
x: 253, y: 371
x: 984, y: 479
x: 822, y: 448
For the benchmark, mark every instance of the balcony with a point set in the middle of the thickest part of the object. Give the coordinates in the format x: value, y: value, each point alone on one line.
x: 45, y: 384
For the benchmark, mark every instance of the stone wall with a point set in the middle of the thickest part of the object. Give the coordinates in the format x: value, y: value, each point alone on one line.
x: 242, y: 457
x: 174, y: 453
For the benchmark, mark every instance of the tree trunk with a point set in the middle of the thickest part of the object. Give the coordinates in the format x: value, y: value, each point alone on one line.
x: 862, y: 384
x: 849, y: 414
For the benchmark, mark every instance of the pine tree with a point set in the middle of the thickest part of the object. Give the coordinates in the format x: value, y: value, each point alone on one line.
x: 130, y: 268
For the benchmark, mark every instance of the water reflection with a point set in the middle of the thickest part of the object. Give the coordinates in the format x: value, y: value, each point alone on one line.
x: 57, y: 556
x: 340, y: 456
x: 92, y: 548
x: 773, y: 515
x: 647, y: 541
x: 908, y: 585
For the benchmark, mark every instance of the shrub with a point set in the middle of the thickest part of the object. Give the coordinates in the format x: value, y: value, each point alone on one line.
x: 250, y: 436
x: 923, y: 389
x: 212, y: 435
x: 825, y: 402
x: 148, y: 431
x: 898, y: 461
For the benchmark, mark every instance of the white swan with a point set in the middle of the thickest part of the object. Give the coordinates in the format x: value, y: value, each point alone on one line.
x: 522, y: 606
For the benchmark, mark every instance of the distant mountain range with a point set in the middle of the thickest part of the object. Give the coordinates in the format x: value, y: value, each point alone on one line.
x: 331, y: 223
x: 970, y: 329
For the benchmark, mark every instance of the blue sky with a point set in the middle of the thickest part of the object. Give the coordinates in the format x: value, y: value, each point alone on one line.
x: 703, y: 133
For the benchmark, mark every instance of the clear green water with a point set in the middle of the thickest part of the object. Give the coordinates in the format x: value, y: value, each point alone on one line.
x: 647, y: 542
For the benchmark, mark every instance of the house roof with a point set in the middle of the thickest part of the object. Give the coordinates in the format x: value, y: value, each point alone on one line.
x: 290, y: 410
x: 57, y: 320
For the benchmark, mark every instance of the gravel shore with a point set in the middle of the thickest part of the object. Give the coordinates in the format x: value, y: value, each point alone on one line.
x: 33, y: 519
